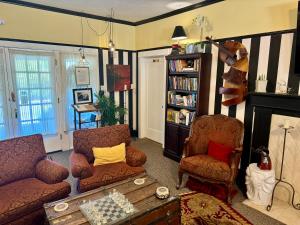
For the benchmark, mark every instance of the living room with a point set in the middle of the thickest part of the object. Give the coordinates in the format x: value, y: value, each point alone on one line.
x: 149, y: 112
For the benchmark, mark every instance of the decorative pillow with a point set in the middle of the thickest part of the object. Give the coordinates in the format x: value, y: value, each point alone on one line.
x: 219, y: 151
x: 109, y: 154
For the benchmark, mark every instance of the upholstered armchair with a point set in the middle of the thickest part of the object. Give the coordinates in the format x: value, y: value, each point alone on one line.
x: 198, y: 164
x: 82, y: 158
x: 28, y: 180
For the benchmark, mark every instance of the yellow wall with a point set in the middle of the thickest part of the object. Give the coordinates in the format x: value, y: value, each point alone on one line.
x: 40, y: 25
x: 229, y: 18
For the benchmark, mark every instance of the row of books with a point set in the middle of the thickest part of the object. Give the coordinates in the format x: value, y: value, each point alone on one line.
x: 183, y: 116
x: 183, y: 65
x: 182, y: 100
x: 183, y: 83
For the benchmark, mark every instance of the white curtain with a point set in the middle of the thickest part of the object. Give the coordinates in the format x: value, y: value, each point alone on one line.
x: 4, y: 131
x: 68, y: 63
x: 34, y: 83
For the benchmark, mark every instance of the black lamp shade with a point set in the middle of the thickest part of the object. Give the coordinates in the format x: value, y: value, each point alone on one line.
x: 179, y: 33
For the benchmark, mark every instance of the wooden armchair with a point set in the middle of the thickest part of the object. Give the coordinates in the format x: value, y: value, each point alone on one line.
x: 195, y: 161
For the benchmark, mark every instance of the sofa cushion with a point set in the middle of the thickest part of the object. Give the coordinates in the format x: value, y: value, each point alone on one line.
x: 219, y: 151
x: 26, y: 196
x: 107, y: 174
x: 19, y: 157
x: 206, y: 166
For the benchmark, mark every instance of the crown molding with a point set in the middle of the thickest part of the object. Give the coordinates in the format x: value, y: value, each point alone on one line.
x: 103, y: 18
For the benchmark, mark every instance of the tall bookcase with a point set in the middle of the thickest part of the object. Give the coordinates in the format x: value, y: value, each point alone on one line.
x: 187, y: 96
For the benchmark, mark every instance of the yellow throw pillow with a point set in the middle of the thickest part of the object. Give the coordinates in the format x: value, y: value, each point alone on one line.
x: 109, y: 154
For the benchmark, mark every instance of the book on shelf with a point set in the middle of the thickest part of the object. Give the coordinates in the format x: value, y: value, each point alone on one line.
x: 183, y: 65
x: 183, y: 83
x: 182, y: 100
x: 183, y: 116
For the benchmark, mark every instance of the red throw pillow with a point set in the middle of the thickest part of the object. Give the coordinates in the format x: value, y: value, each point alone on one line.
x: 219, y: 151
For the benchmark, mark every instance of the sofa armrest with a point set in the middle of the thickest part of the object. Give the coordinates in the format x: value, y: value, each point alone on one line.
x: 50, y: 172
x: 79, y: 166
x: 234, y: 162
x: 135, y: 157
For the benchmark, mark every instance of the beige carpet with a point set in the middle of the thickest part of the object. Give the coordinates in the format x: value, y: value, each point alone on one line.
x: 165, y: 171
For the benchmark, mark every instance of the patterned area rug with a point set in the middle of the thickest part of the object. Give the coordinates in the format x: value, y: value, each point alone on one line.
x: 203, y: 209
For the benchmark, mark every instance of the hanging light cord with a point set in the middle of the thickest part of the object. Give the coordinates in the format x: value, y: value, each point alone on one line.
x: 95, y: 31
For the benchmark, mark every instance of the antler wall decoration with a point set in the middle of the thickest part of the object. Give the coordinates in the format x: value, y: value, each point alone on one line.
x: 236, y: 85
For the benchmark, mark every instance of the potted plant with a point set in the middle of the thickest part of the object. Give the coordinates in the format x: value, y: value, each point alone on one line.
x: 110, y: 113
x: 261, y: 83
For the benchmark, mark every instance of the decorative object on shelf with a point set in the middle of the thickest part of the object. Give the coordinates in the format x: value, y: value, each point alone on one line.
x: 203, y: 23
x: 287, y: 129
x: 261, y: 83
x: 111, y: 44
x: 265, y: 162
x: 162, y: 192
x: 179, y: 34
x: 190, y: 48
x: 110, y: 113
x: 82, y: 75
x: 260, y: 184
x: 118, y: 77
x: 83, y: 96
x: 60, y: 207
x: 236, y: 85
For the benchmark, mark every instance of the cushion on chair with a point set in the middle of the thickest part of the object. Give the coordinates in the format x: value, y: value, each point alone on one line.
x: 107, y: 174
x: 206, y: 167
x: 106, y: 155
x: 26, y: 196
x: 219, y: 151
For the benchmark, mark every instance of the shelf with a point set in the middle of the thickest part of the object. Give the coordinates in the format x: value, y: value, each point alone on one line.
x: 185, y: 56
x: 182, y: 107
x: 183, y: 91
x: 178, y: 124
x: 193, y: 74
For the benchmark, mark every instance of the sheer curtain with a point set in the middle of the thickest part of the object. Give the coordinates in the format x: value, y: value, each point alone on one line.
x: 68, y: 63
x: 35, y: 89
x: 4, y: 131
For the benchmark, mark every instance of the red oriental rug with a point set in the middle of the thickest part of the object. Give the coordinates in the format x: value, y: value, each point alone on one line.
x: 217, y: 190
x: 203, y: 209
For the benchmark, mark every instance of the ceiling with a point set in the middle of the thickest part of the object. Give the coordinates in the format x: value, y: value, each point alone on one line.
x: 128, y: 10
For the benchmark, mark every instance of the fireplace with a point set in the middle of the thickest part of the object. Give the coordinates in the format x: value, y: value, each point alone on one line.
x: 263, y: 113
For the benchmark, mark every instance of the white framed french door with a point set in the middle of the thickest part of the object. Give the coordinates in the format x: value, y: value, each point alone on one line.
x: 33, y: 95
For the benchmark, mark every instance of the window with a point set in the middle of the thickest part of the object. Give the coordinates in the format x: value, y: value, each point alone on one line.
x: 34, y: 87
x: 4, y: 131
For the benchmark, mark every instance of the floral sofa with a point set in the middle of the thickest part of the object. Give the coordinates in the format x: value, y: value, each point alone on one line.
x: 28, y: 180
x: 81, y: 159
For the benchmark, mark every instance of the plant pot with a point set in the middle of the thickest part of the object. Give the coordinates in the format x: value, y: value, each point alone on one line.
x: 261, y: 86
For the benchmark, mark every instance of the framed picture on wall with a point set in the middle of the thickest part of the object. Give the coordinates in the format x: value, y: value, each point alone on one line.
x: 118, y: 77
x: 82, y: 75
x: 83, y: 96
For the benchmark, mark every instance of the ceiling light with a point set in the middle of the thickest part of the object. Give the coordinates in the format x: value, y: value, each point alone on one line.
x: 179, y: 33
x: 178, y: 5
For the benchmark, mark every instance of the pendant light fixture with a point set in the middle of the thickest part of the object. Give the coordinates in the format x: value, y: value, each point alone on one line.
x: 82, y: 61
x: 111, y: 45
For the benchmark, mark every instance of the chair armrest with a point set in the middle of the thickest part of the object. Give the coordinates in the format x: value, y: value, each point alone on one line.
x: 50, y: 172
x: 135, y: 157
x: 234, y: 162
x: 79, y: 166
x: 186, y: 148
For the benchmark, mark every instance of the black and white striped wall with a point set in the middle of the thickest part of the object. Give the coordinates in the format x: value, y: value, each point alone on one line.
x: 271, y: 54
x: 127, y: 99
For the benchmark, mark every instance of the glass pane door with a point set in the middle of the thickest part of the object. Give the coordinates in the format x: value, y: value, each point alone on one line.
x: 4, y: 127
x: 34, y: 88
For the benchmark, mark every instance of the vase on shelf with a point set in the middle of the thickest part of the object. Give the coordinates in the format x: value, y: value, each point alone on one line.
x: 261, y: 84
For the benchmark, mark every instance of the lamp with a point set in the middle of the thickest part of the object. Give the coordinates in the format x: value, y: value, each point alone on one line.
x: 179, y: 33
x: 111, y: 45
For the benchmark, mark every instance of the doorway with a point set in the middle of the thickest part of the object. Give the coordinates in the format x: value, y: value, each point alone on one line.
x: 152, y: 95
